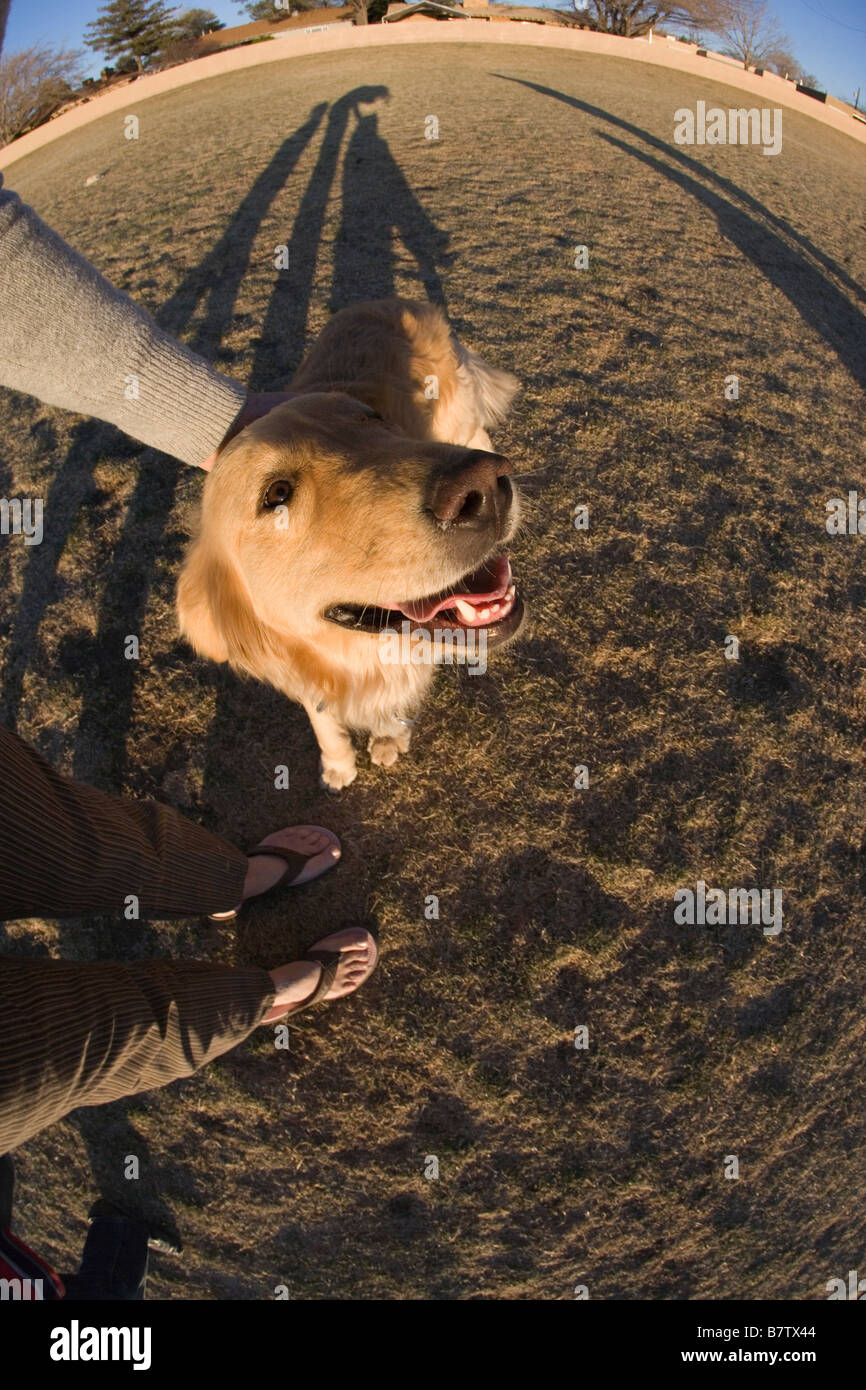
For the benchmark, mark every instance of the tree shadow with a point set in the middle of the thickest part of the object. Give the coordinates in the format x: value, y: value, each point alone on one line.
x: 815, y: 298
x: 786, y: 257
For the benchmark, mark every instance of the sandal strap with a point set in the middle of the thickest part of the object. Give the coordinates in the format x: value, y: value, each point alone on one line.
x: 329, y: 961
x: 292, y: 857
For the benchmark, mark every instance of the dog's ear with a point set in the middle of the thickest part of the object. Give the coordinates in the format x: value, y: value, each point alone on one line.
x: 217, y: 618
x: 194, y: 613
x: 215, y: 613
x: 492, y: 388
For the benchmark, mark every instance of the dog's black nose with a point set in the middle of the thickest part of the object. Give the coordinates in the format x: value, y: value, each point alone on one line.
x: 477, y: 493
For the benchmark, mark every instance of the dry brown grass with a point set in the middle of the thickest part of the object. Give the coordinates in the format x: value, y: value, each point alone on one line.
x: 557, y: 1166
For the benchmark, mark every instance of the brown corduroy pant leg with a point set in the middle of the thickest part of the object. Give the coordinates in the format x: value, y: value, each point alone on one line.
x: 82, y: 1034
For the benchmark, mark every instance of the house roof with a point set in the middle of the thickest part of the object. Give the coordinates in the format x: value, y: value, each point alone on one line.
x: 424, y: 7
x: 239, y: 33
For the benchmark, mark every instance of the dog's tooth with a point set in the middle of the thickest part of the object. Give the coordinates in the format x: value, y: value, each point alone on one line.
x: 466, y: 610
x: 484, y: 614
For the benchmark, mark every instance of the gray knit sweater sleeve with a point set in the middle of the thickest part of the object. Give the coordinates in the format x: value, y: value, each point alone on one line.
x: 71, y: 339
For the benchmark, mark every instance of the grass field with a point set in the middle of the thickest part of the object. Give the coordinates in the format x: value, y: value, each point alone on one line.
x: 558, y: 1166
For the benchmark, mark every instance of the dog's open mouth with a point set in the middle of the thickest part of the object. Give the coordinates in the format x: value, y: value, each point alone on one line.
x: 486, y: 598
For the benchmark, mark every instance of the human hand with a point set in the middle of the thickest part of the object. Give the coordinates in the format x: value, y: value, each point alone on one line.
x: 255, y: 405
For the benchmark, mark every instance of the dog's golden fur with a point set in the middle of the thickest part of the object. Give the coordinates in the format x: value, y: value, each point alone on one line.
x: 257, y: 582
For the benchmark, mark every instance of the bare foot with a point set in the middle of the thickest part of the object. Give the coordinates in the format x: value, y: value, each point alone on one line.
x: 296, y: 982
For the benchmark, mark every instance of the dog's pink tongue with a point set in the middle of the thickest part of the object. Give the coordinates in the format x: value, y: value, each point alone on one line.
x: 483, y: 586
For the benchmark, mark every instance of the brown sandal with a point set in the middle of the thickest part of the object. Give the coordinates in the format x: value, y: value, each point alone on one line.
x: 329, y: 962
x: 294, y: 861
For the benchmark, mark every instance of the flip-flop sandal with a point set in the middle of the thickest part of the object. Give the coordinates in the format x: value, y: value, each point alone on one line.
x: 330, y: 963
x: 294, y: 861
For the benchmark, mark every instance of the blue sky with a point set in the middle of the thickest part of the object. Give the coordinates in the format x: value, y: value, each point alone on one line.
x: 828, y: 36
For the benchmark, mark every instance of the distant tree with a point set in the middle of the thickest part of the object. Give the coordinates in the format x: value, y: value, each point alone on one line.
x: 266, y: 9
x: 784, y: 63
x: 33, y: 84
x: 368, y: 11
x: 633, y: 18
x: 137, y: 27
x: 273, y: 10
x: 191, y: 24
x: 750, y: 31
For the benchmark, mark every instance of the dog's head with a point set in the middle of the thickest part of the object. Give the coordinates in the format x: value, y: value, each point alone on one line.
x: 322, y: 526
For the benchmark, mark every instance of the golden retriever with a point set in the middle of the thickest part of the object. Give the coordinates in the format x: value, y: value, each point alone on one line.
x: 369, y: 505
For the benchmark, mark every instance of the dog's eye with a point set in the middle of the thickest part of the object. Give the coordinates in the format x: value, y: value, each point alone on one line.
x: 373, y: 416
x: 278, y: 494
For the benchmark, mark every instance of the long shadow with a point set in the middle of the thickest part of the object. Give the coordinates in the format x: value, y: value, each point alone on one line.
x: 378, y: 204
x: 283, y: 335
x: 819, y: 302
x: 107, y: 706
x: 815, y: 298
x: 279, y: 350
x: 72, y: 486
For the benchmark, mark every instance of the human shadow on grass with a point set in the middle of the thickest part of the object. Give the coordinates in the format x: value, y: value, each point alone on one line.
x: 285, y: 326
x: 72, y: 487
x: 100, y: 756
x: 786, y: 257
x: 107, y: 706
x: 378, y: 205
x: 465, y: 978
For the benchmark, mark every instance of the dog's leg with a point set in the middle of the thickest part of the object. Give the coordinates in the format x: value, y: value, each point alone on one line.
x: 338, y: 756
x: 388, y: 742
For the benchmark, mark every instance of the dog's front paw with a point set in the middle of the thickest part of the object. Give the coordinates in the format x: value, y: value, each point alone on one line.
x: 385, y: 749
x: 335, y: 776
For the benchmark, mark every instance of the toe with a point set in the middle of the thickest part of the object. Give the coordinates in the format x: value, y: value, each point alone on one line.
x: 359, y: 953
